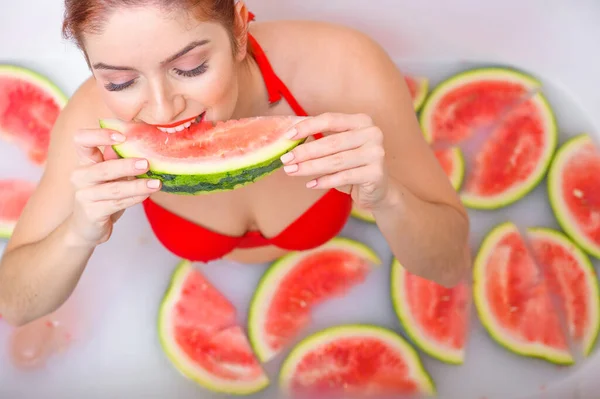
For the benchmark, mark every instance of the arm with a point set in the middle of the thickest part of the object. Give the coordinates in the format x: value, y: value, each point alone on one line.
x: 387, y: 164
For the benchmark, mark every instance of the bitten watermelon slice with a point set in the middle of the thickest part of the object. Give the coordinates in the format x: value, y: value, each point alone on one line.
x: 418, y: 87
x: 281, y: 306
x: 29, y: 106
x: 198, y: 334
x: 500, y: 108
x: 574, y: 191
x: 206, y: 158
x: 513, y: 296
x: 435, y: 317
x: 354, y: 361
x: 14, y: 195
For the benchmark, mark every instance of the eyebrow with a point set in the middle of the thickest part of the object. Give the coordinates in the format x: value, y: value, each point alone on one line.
x: 180, y: 53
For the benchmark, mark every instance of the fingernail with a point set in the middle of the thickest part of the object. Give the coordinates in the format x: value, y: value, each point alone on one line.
x: 153, y: 183
x: 117, y: 137
x: 287, y: 157
x: 141, y: 164
x: 311, y: 184
x: 290, y: 168
x: 291, y: 133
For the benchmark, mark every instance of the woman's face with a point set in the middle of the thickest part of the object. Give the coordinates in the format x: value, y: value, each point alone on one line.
x: 163, y: 68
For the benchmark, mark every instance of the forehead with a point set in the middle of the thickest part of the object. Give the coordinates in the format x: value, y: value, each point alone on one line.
x: 145, y: 33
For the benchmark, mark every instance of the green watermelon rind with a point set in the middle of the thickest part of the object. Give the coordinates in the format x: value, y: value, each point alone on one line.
x: 444, y: 354
x: 591, y: 278
x: 6, y: 230
x: 496, y: 72
x: 518, y: 192
x: 559, y: 208
x: 422, y: 92
x: 37, y: 79
x: 269, y: 283
x: 179, y: 358
x: 456, y: 180
x: 559, y: 357
x: 422, y: 377
x: 183, y: 179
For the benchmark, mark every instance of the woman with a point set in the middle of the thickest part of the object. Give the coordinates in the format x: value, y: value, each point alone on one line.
x: 168, y: 62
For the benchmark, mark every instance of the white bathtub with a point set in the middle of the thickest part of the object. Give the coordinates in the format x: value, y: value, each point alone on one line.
x: 116, y: 352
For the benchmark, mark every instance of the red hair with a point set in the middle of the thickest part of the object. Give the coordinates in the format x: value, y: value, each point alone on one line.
x: 83, y: 16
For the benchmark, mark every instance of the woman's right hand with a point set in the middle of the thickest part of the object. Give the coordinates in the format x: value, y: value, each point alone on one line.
x: 105, y: 186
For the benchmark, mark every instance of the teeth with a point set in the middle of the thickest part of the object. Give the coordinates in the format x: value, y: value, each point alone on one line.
x: 178, y: 128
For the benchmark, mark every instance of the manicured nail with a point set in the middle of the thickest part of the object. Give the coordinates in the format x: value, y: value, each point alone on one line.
x: 311, y: 184
x: 141, y: 164
x: 153, y: 183
x: 291, y: 133
x: 117, y: 137
x: 287, y: 157
x: 290, y: 168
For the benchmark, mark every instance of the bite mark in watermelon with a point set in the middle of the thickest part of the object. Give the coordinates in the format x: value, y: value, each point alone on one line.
x: 356, y: 360
x: 418, y: 86
x: 513, y: 297
x: 14, y: 195
x: 435, y: 317
x: 500, y: 105
x: 206, y: 158
x: 574, y: 191
x: 198, y: 334
x: 29, y: 106
x: 281, y: 306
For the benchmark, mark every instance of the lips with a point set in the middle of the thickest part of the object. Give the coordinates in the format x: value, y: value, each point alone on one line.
x: 181, y: 125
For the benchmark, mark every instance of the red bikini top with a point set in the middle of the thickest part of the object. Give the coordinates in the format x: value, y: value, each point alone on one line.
x: 317, y: 225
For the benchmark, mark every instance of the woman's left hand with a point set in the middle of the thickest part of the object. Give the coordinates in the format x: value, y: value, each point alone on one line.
x: 350, y: 160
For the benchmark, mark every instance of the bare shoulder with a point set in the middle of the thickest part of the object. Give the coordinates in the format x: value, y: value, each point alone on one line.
x: 322, y: 62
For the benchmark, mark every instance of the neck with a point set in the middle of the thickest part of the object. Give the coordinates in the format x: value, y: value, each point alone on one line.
x: 253, y: 98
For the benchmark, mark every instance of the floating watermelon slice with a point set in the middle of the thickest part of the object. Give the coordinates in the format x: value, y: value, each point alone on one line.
x: 14, y: 195
x: 516, y: 127
x: 207, y: 158
x: 513, y: 298
x: 418, y: 87
x: 198, y: 334
x: 295, y: 283
x: 435, y: 317
x: 355, y: 360
x: 574, y: 191
x: 29, y: 107
x: 451, y: 161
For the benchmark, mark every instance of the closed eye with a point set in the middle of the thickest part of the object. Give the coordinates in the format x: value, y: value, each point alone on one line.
x: 200, y: 69
x: 119, y: 86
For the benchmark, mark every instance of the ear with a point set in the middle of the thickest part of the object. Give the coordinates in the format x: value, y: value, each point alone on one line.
x: 240, y: 29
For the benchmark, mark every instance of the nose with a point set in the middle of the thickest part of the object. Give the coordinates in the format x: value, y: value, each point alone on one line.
x: 165, y: 104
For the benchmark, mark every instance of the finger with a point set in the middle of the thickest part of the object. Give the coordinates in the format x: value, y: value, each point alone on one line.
x: 354, y: 176
x: 87, y: 142
x: 119, y: 189
x: 109, y: 170
x: 329, y: 122
x: 330, y: 164
x: 105, y: 209
x: 326, y: 146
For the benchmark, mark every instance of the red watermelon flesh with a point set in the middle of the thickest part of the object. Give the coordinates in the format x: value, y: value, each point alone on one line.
x: 29, y: 107
x: 316, y: 278
x: 14, y: 195
x: 510, y: 154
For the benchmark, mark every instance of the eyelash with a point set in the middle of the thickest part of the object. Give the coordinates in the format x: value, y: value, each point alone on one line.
x: 200, y: 69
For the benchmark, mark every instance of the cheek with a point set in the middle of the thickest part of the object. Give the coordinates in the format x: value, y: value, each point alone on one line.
x: 124, y: 106
x: 218, y: 91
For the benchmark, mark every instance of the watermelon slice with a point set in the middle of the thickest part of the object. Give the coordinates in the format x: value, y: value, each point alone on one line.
x: 14, y: 195
x: 29, y: 106
x: 198, y: 334
x: 281, y: 305
x: 452, y: 162
x: 574, y: 191
x: 206, y: 158
x: 355, y: 360
x: 418, y: 87
x: 435, y: 317
x: 514, y: 298
x: 518, y: 125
